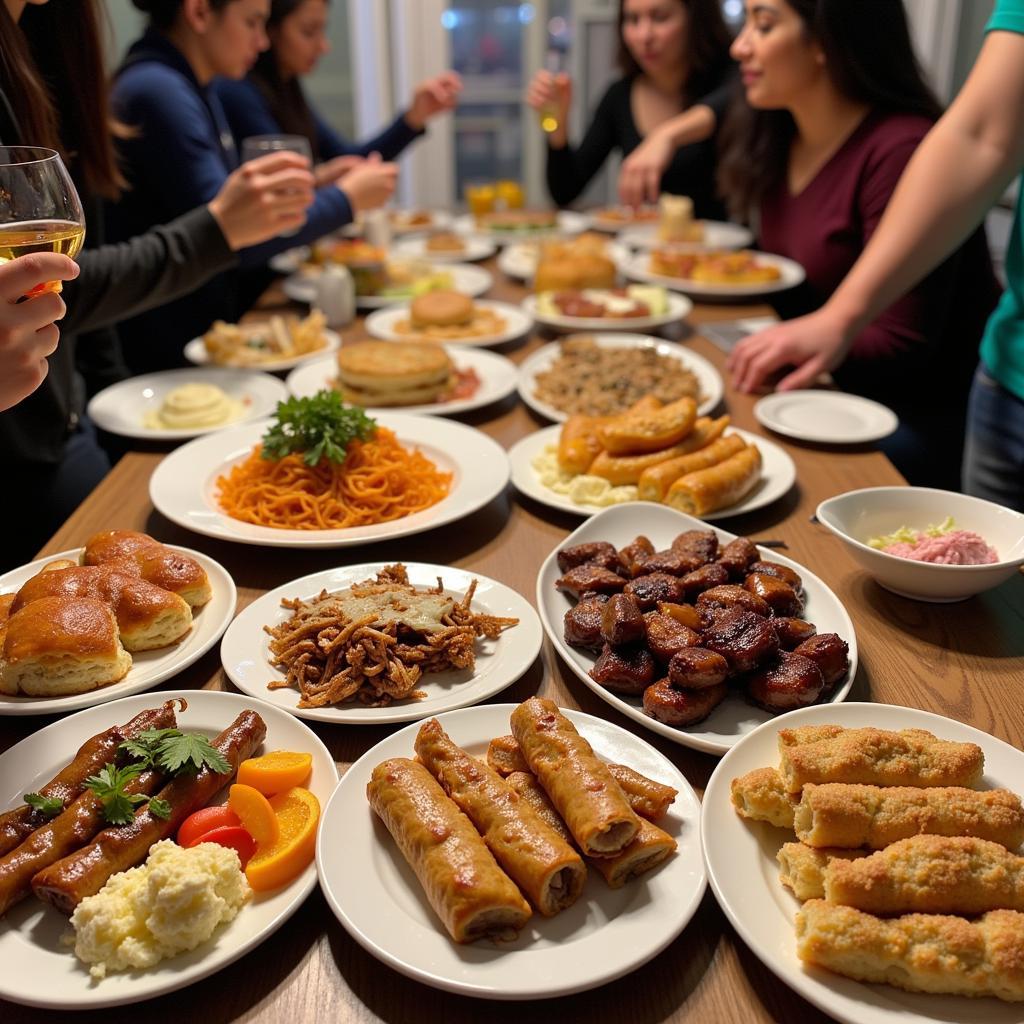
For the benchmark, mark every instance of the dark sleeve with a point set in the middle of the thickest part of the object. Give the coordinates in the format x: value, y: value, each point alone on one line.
x: 570, y: 170
x: 118, y: 281
x: 246, y: 109
x: 718, y: 99
x: 389, y: 143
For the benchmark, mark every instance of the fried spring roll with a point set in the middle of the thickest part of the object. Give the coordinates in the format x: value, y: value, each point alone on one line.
x: 68, y: 881
x: 802, y: 868
x: 877, y: 757
x: 848, y: 816
x: 930, y: 875
x: 17, y: 824
x: 649, y: 799
x: 579, y: 784
x: 655, y: 482
x: 719, y: 486
x: 760, y: 795
x: 471, y: 895
x: 917, y: 952
x: 535, y: 856
x: 651, y: 846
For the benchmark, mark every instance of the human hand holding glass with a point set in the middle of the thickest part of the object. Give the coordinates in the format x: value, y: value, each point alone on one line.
x: 256, y: 146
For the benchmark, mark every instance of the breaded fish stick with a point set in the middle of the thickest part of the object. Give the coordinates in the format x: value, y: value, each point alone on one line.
x: 930, y: 875
x: 761, y: 796
x: 835, y: 814
x: 802, y: 868
x: 877, y: 757
x: 917, y: 952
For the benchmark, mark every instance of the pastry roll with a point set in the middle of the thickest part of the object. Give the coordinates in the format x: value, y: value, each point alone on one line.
x: 468, y: 891
x: 505, y: 757
x: 877, y: 757
x: 526, y: 785
x: 535, y: 856
x: 917, y: 952
x: 835, y: 814
x: 761, y: 796
x: 579, y: 784
x: 578, y: 443
x: 717, y: 487
x: 930, y: 875
x: 802, y: 868
x: 655, y: 482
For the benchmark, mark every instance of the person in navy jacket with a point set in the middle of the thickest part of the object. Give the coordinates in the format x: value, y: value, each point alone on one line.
x: 180, y: 149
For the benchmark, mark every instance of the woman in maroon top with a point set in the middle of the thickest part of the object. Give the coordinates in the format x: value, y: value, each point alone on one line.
x: 835, y: 106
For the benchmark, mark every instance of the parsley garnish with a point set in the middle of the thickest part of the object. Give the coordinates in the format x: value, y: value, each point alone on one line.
x: 109, y: 785
x: 175, y: 752
x: 47, y: 806
x: 159, y: 808
x: 144, y: 747
x: 321, y: 426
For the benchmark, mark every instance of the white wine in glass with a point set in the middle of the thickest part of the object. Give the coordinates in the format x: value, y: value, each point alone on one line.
x: 39, y: 207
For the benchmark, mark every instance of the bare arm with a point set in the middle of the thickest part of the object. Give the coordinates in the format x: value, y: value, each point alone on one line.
x: 960, y: 169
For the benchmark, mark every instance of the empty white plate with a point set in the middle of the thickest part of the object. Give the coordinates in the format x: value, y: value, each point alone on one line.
x: 829, y: 417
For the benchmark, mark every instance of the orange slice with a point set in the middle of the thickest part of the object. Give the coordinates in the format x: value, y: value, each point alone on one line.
x: 298, y: 813
x: 275, y: 772
x: 255, y: 813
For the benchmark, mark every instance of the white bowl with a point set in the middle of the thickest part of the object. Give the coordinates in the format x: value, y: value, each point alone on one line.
x: 857, y: 515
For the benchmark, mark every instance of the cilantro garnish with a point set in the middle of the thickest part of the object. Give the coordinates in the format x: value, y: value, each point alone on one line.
x: 109, y: 785
x: 47, y: 806
x: 175, y: 752
x: 321, y: 426
x: 159, y: 808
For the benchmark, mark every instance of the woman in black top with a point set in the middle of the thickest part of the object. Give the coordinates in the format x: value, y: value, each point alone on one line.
x: 48, y: 452
x: 674, y: 58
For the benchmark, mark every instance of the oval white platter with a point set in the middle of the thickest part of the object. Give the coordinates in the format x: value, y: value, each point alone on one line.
x: 718, y: 234
x: 416, y: 248
x: 519, y: 260
x: 734, y: 717
x: 678, y: 307
x: 637, y: 268
x: 568, y: 223
x: 195, y: 352
x: 381, y: 324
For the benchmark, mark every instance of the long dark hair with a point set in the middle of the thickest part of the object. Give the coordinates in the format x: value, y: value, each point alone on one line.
x: 706, y: 53
x: 56, y: 52
x: 870, y: 59
x: 285, y: 98
x: 163, y: 13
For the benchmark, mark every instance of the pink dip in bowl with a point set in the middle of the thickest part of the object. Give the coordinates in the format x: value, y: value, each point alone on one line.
x: 958, y: 547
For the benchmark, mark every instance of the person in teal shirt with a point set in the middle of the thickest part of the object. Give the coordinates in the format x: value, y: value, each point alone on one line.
x: 963, y: 166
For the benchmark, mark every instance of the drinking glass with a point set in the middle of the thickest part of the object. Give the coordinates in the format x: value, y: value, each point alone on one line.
x: 39, y: 207
x: 480, y: 197
x: 550, y: 113
x: 260, y: 145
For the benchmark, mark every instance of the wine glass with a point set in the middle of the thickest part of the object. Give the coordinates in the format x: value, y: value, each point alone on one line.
x: 39, y: 207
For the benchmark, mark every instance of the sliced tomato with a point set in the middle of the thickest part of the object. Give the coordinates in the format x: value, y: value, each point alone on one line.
x: 204, y: 820
x: 233, y: 836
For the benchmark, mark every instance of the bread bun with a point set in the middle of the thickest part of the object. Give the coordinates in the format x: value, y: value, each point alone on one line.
x: 387, y: 373
x: 442, y: 308
x: 445, y: 241
x: 584, y: 270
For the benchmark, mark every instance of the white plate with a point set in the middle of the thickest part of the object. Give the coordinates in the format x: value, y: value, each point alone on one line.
x: 381, y: 324
x: 829, y: 417
x: 708, y: 378
x: 606, y: 934
x: 439, y: 220
x: 735, y: 716
x: 520, y: 259
x: 466, y: 278
x: 637, y: 267
x: 744, y: 874
x: 121, y: 409
x: 195, y: 352
x: 182, y: 486
x: 568, y: 223
x: 678, y: 307
x: 718, y: 234
x: 38, y: 969
x: 500, y: 662
x: 290, y: 261
x: 497, y: 380
x: 416, y: 249
x: 778, y: 474
x: 149, y: 668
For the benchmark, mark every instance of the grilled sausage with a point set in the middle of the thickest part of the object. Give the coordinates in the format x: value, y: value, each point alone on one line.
x: 658, y: 586
x: 633, y: 554
x: 697, y: 668
x: 780, y: 597
x: 732, y: 596
x: 666, y: 636
x: 624, y: 669
x: 582, y: 623
x: 675, y: 563
x: 704, y: 578
x: 744, y: 639
x: 622, y: 622
x: 681, y: 707
x: 702, y: 544
x: 737, y: 556
x: 782, y: 572
x: 830, y: 653
x: 590, y: 578
x: 598, y: 552
x: 791, y: 681
x: 791, y: 631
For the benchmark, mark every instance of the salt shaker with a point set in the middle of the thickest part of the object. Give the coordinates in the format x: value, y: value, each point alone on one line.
x: 377, y: 228
x: 336, y: 295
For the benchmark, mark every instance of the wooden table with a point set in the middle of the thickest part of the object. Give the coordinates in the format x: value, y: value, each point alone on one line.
x: 963, y: 660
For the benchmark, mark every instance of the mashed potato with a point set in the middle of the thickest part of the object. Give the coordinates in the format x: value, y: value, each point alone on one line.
x: 193, y: 406
x: 169, y: 905
x: 582, y: 489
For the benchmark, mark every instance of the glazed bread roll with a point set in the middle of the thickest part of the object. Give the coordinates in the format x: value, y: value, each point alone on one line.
x: 917, y: 952
x: 441, y: 308
x: 57, y: 646
x: 578, y: 443
x: 535, y: 856
x: 802, y: 868
x: 718, y: 486
x: 579, y: 784
x: 561, y: 272
x: 848, y: 816
x: 877, y: 757
x: 655, y: 482
x: 471, y: 895
x: 760, y: 795
x: 148, y: 617
x: 930, y: 875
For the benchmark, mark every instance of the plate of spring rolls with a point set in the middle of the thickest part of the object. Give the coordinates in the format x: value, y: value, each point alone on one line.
x: 453, y: 852
x: 40, y: 968
x: 870, y: 855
